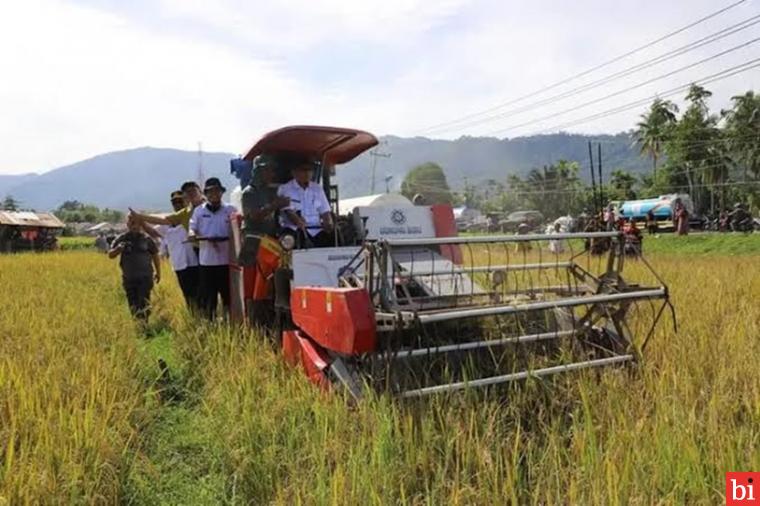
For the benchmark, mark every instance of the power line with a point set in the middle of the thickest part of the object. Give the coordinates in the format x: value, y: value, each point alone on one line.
x: 634, y: 87
x: 719, y: 35
x: 696, y: 170
x: 588, y: 71
x: 721, y: 140
x: 726, y: 73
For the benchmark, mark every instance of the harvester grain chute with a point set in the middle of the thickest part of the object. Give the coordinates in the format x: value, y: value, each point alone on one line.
x: 402, y: 304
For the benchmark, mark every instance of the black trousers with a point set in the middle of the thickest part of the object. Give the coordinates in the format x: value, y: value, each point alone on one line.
x: 320, y: 240
x: 138, y: 295
x: 214, y: 284
x: 189, y: 279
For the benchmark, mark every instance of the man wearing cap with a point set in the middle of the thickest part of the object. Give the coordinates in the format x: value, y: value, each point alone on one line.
x: 140, y: 267
x: 193, y: 198
x: 308, y: 215
x: 260, y: 249
x: 260, y: 200
x: 181, y: 253
x: 192, y: 194
x: 210, y: 226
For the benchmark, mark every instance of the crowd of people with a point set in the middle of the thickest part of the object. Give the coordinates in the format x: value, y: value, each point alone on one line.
x: 196, y: 236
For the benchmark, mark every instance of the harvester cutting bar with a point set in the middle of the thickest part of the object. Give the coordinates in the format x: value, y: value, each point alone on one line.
x: 537, y: 373
x: 487, y: 268
x: 528, y: 338
x: 437, y: 241
x: 456, y: 314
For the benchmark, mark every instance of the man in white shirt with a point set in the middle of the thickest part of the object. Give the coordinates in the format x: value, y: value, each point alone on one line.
x: 308, y: 215
x: 184, y: 258
x: 210, y: 225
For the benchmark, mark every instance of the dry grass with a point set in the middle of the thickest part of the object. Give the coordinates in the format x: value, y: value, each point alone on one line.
x: 665, y: 433
x: 69, y: 399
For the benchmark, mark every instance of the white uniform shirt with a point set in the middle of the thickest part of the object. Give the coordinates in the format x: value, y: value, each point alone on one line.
x: 310, y: 201
x: 207, y: 224
x: 174, y: 244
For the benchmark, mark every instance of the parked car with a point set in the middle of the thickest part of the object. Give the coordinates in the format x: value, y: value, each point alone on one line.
x: 531, y: 218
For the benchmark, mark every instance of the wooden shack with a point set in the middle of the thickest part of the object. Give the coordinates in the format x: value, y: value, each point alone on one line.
x: 28, y: 231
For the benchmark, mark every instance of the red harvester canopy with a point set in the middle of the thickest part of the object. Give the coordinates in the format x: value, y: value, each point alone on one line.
x: 331, y: 145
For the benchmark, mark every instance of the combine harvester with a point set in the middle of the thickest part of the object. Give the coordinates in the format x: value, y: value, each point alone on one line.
x: 402, y: 304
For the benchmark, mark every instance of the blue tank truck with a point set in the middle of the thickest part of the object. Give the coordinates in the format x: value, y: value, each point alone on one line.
x: 662, y: 207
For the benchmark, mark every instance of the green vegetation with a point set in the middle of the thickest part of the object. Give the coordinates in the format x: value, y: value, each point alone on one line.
x: 429, y: 181
x: 73, y: 211
x: 703, y: 244
x: 76, y: 243
x: 89, y: 416
x: 9, y: 204
x: 715, y: 158
x: 555, y: 190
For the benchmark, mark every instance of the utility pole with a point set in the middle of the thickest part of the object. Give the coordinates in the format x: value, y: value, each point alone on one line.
x: 601, y: 187
x: 388, y: 183
x: 201, y: 176
x: 376, y: 154
x: 593, y: 181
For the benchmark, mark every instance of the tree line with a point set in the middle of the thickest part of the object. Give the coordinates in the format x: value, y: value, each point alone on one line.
x: 73, y: 211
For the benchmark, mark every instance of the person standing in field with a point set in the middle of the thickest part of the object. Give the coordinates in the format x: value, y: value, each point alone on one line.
x: 192, y: 194
x: 556, y: 246
x: 523, y: 246
x: 184, y: 259
x: 681, y: 218
x: 140, y: 267
x: 633, y: 240
x: 609, y: 217
x: 651, y: 223
x: 181, y: 217
x: 101, y: 244
x: 210, y: 227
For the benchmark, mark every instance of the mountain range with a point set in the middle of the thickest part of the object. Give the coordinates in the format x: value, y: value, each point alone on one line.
x: 144, y: 177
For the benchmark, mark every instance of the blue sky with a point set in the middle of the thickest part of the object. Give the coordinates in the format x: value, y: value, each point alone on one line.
x: 89, y: 76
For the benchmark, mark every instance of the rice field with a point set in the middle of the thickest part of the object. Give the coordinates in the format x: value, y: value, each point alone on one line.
x: 87, y: 416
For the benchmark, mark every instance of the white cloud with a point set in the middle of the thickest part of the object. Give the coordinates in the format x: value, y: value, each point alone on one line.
x: 88, y: 81
x: 297, y: 25
x: 79, y: 81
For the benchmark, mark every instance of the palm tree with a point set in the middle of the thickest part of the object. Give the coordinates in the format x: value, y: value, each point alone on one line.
x: 743, y: 131
x: 654, y: 128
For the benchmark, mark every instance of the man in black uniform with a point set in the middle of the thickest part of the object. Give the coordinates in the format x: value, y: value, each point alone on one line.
x: 140, y: 267
x: 260, y: 200
x: 260, y: 207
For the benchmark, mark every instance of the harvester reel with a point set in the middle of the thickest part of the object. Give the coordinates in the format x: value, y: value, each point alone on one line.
x: 491, y: 314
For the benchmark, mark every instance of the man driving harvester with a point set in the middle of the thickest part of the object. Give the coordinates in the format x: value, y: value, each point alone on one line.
x: 307, y: 217
x: 261, y: 250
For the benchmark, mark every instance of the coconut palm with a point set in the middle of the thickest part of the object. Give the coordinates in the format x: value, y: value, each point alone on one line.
x: 654, y: 128
x: 743, y: 131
